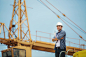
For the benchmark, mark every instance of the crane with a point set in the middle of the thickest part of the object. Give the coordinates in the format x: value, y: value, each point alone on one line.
x: 19, y: 43
x: 15, y: 32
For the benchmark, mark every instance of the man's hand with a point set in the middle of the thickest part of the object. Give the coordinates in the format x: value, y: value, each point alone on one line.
x: 55, y: 39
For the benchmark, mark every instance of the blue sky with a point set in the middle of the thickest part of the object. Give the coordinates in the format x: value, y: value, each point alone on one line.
x: 42, y: 19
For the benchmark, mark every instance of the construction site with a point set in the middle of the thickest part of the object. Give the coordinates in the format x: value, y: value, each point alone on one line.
x: 27, y: 27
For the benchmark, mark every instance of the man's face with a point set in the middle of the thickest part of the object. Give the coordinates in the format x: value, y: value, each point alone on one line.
x: 59, y: 28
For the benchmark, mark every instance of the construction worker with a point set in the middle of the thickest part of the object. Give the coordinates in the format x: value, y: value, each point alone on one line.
x: 60, y: 41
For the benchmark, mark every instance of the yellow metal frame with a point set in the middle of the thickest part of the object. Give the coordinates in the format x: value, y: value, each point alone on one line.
x: 18, y: 42
x: 28, y: 50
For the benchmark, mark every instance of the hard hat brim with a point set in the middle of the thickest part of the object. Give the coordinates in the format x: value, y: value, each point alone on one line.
x: 59, y: 25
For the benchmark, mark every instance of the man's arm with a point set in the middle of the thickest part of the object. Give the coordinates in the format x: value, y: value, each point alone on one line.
x: 62, y: 34
x: 55, y: 39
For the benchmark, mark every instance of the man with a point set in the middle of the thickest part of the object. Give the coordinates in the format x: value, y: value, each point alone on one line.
x: 60, y: 41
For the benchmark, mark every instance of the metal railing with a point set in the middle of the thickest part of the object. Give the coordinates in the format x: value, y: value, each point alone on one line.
x: 65, y: 52
x: 50, y: 39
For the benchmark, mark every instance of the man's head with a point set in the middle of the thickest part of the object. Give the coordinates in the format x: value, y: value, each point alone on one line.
x: 59, y: 26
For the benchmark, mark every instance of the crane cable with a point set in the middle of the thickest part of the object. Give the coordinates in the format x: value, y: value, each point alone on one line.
x: 62, y: 20
x: 65, y: 16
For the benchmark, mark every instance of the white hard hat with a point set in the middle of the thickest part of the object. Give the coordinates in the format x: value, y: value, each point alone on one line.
x: 59, y: 23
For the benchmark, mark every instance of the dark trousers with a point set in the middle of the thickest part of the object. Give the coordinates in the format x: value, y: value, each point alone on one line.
x: 58, y: 50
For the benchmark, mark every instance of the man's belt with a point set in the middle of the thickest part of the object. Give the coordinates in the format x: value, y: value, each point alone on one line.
x: 58, y: 47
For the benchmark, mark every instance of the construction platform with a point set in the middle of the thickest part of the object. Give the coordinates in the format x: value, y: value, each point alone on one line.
x: 38, y: 45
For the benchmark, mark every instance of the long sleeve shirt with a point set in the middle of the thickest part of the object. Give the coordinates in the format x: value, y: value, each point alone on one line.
x: 62, y: 41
